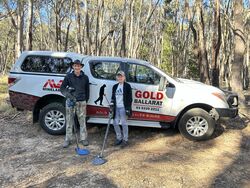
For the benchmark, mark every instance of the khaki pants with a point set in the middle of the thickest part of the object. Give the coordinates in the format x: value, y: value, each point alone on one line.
x: 80, y: 109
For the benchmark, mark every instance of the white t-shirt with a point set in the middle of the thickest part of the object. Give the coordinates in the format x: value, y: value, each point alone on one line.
x: 119, y: 96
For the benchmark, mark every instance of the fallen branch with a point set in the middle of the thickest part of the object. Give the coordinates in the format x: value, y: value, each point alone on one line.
x: 17, y: 114
x: 245, y: 116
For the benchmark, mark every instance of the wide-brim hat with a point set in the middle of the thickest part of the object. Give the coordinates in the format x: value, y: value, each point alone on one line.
x: 77, y: 61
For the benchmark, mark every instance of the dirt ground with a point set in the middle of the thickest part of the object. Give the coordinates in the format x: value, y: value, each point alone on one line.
x: 30, y: 157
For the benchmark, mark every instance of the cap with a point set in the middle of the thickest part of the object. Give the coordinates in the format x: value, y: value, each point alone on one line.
x: 120, y: 73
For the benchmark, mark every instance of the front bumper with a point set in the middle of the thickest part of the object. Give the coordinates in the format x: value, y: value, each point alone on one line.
x: 232, y: 100
x: 227, y: 112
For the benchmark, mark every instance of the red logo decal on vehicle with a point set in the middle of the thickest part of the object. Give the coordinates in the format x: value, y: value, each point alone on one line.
x: 148, y: 101
x: 51, y: 85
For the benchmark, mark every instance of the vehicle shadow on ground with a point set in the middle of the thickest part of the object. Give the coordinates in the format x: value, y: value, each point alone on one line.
x: 226, y: 125
x: 238, y: 173
x: 83, y: 179
x: 137, y: 135
x: 175, y: 152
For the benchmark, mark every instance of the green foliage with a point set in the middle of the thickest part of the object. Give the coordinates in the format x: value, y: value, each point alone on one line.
x: 7, y: 43
x: 167, y: 49
x: 4, y: 106
x: 144, y: 52
x: 3, y: 84
x: 193, y: 68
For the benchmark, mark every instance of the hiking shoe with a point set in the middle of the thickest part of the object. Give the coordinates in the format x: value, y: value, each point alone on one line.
x: 84, y: 142
x: 124, y: 144
x: 117, y: 142
x: 66, y: 143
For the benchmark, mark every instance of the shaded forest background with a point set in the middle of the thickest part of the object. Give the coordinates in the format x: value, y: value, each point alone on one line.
x: 206, y: 40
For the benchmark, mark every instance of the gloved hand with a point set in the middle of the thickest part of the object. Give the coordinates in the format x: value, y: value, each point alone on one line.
x: 69, y: 93
x: 111, y: 109
x: 71, y: 102
x: 71, y: 97
x: 129, y: 112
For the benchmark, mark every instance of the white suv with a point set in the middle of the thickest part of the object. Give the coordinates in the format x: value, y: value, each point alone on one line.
x: 159, y: 100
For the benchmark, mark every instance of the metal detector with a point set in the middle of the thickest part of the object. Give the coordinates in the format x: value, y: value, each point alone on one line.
x: 99, y: 159
x: 78, y: 150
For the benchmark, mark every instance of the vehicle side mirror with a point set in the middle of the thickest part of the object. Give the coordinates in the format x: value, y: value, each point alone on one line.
x: 163, y: 84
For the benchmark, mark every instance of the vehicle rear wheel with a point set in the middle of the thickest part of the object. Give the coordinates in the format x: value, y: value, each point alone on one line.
x: 52, y: 118
x: 196, y: 124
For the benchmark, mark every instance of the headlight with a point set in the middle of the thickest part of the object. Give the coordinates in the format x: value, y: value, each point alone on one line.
x: 235, y: 103
x: 233, y: 100
x: 220, y: 96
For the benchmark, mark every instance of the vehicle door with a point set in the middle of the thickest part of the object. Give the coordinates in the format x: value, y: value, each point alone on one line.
x: 102, y: 77
x: 148, y: 102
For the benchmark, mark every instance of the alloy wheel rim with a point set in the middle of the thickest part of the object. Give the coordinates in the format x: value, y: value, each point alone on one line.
x: 55, y: 120
x: 197, y: 126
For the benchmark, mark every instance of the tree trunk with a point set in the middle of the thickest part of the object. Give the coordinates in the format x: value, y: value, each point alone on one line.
x: 195, y: 35
x: 239, y: 47
x: 150, y: 13
x: 216, y: 44
x: 29, y: 36
x: 99, y: 28
x: 131, y: 27
x: 123, y: 42
x: 87, y: 26
x: 69, y: 21
x: 79, y: 27
x: 137, y: 30
x: 202, y: 51
x: 20, y: 23
x: 248, y: 44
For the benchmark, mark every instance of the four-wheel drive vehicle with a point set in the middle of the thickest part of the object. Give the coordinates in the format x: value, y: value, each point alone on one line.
x: 159, y: 100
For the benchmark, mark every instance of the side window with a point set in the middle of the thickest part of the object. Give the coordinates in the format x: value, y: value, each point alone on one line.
x: 105, y: 70
x: 46, y: 64
x: 142, y: 74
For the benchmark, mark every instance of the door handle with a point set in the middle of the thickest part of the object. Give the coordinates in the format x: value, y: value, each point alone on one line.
x: 90, y: 83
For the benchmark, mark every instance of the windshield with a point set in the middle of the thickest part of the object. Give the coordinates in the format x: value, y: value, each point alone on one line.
x: 164, y: 73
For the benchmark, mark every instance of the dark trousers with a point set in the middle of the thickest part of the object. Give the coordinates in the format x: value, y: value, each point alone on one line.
x: 99, y: 99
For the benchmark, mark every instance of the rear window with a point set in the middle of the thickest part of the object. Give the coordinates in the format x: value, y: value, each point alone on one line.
x: 46, y: 64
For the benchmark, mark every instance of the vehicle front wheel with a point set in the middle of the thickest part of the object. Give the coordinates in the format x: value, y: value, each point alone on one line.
x: 52, y: 118
x: 196, y: 124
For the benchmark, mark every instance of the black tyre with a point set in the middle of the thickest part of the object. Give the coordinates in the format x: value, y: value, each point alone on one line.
x: 52, y: 118
x: 196, y: 124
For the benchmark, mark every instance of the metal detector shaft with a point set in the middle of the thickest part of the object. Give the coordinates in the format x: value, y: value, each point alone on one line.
x: 105, y: 137
x: 75, y: 129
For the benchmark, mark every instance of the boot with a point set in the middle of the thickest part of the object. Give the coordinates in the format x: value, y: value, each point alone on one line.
x: 84, y: 142
x: 117, y: 142
x: 66, y: 144
x: 124, y: 144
